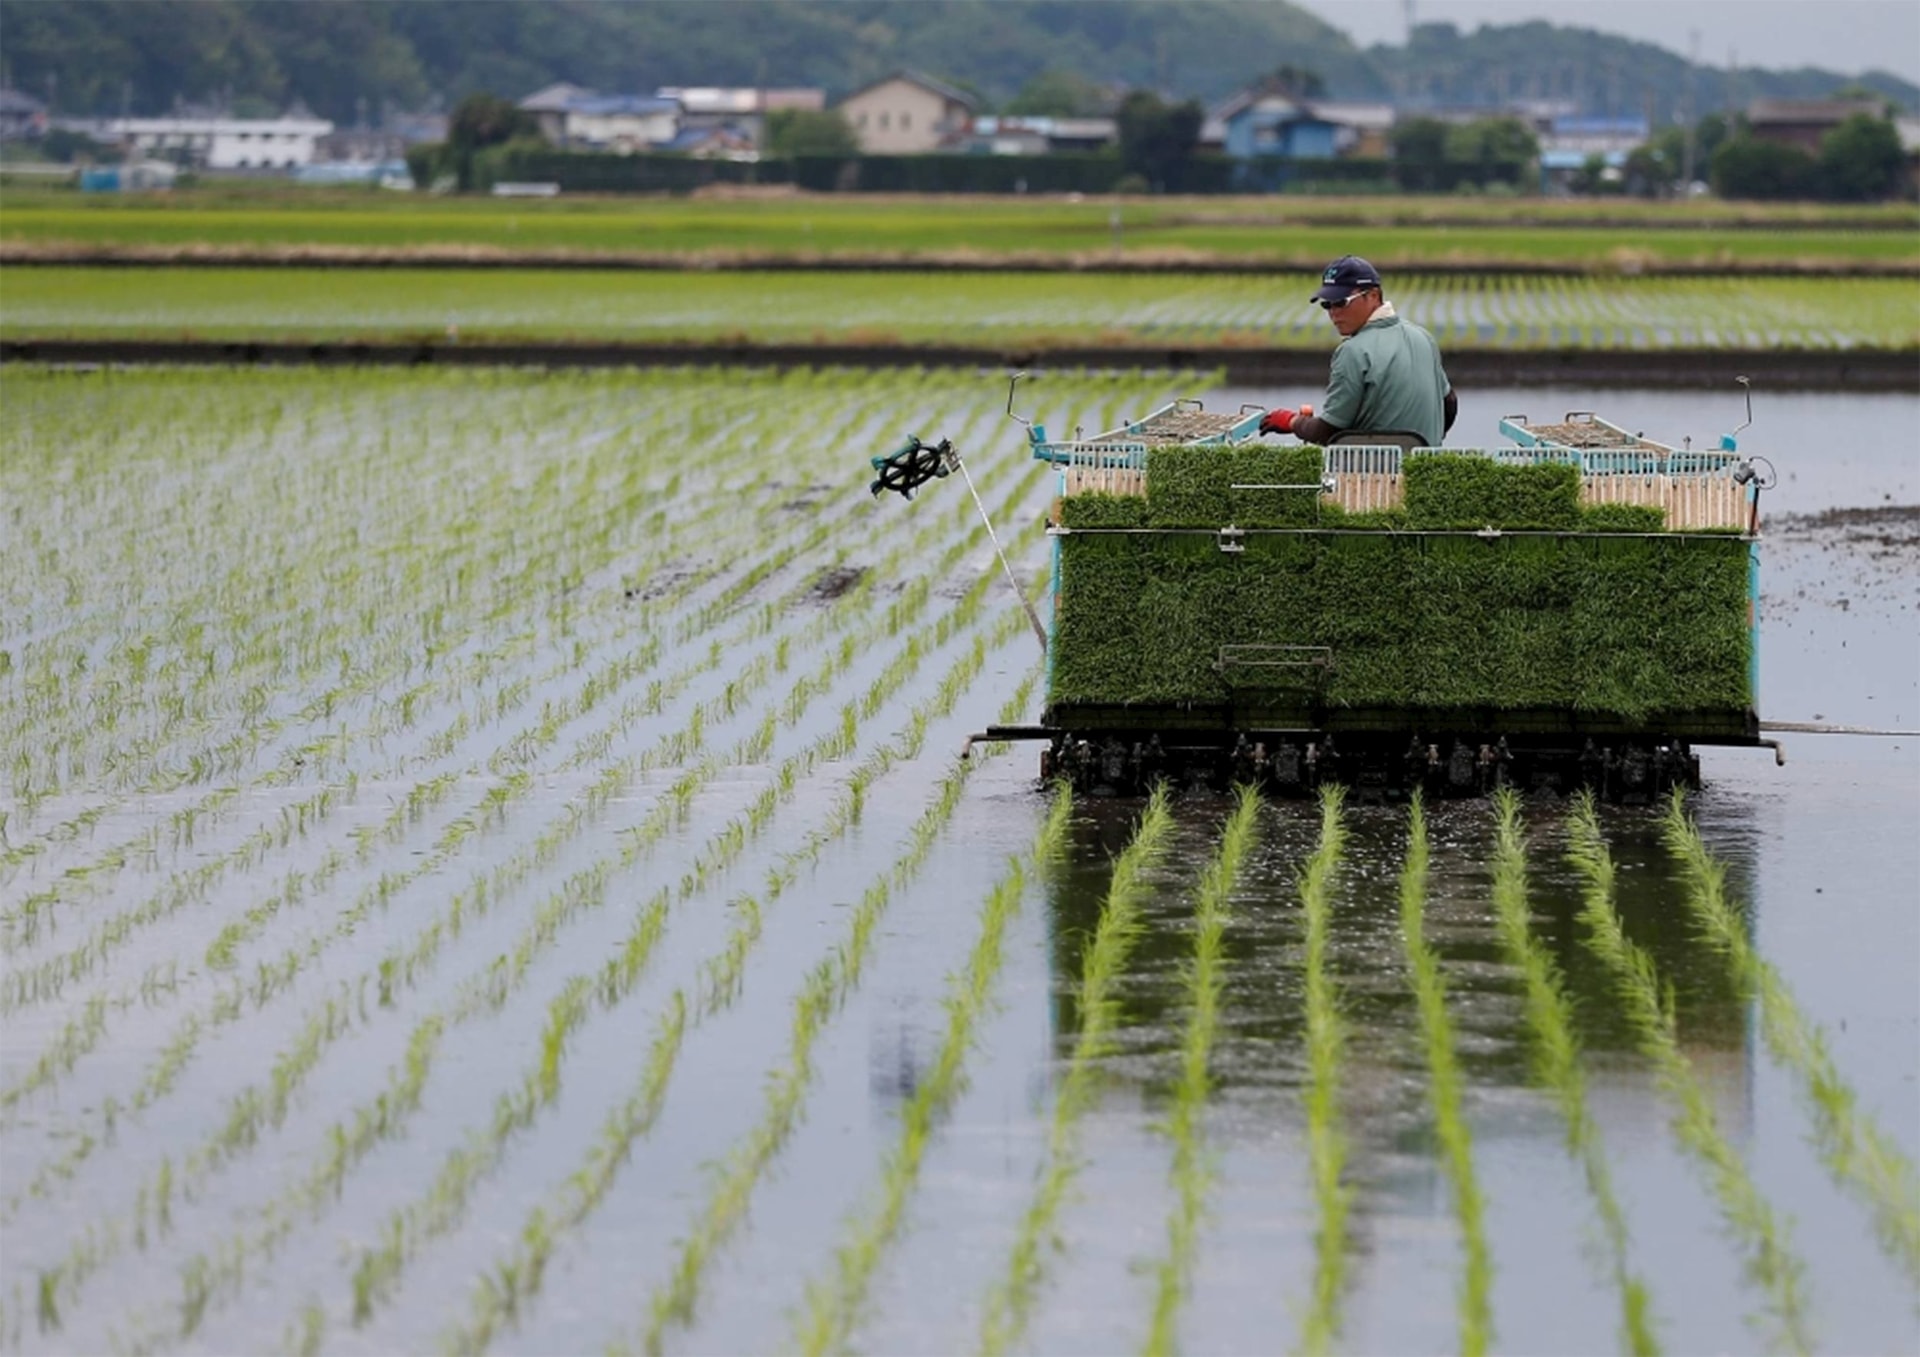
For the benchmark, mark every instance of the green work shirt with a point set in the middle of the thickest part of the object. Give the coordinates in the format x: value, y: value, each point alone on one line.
x: 1387, y: 375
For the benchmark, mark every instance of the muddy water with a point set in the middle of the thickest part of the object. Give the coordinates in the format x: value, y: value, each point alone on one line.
x: 1822, y: 859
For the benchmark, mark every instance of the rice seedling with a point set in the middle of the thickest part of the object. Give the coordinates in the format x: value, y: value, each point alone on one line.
x: 1326, y: 1047
x: 190, y: 814
x: 1762, y: 1237
x: 1856, y: 1150
x: 63, y: 1055
x: 1009, y: 1304
x: 672, y: 1304
x: 1444, y: 1090
x: 548, y: 668
x: 1556, y: 1067
x: 508, y: 1286
x: 218, y: 1272
x: 1191, y: 1174
x: 833, y: 1304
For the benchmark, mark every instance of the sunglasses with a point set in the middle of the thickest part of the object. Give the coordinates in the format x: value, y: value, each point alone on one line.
x: 1335, y: 306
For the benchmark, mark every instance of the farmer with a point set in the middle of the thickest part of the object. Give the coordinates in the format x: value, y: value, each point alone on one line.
x: 1386, y: 374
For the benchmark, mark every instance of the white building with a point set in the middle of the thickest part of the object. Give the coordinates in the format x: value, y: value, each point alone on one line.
x: 621, y: 122
x: 577, y: 118
x: 906, y: 114
x: 223, y: 143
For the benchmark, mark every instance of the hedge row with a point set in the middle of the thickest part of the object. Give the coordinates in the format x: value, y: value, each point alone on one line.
x: 1625, y: 626
x: 1062, y: 172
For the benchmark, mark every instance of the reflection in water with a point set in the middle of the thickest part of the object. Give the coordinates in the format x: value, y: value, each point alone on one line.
x: 1260, y: 1044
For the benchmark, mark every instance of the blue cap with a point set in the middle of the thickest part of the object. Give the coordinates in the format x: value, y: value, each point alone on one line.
x: 1344, y: 277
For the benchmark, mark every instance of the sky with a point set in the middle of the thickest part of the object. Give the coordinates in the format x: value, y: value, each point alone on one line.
x: 1847, y: 36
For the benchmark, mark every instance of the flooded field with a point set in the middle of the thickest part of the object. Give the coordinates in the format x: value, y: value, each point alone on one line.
x: 1491, y: 311
x: 485, y: 866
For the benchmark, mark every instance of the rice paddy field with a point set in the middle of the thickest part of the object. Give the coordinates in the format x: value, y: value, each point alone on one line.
x: 1491, y: 312
x: 485, y: 864
x: 1391, y: 231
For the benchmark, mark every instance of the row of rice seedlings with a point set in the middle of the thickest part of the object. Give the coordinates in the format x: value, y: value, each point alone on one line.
x: 834, y: 1303
x: 672, y: 1303
x: 521, y: 750
x: 488, y: 991
x: 211, y: 1276
x: 1009, y: 1303
x: 257, y: 731
x: 46, y: 979
x: 85, y: 1029
x: 1444, y: 1087
x: 19, y: 923
x: 602, y: 511
x: 1326, y: 1049
x: 1763, y: 1238
x: 253, y: 1109
x: 505, y: 1289
x: 614, y: 511
x: 1004, y: 310
x: 377, y: 1271
x: 325, y: 632
x: 1556, y: 1067
x: 1191, y: 1174
x: 1859, y: 1155
x: 215, y: 1273
x: 332, y: 1008
x: 136, y: 448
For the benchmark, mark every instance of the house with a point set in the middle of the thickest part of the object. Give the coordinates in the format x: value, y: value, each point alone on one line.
x: 21, y: 115
x: 575, y: 117
x: 549, y: 109
x: 1035, y: 135
x: 744, y: 109
x: 1256, y: 124
x: 1805, y: 122
x: 222, y: 143
x: 1361, y: 130
x: 1266, y: 122
x: 907, y: 113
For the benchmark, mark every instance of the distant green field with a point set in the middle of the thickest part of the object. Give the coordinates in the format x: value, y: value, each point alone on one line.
x: 1259, y: 231
x: 930, y: 308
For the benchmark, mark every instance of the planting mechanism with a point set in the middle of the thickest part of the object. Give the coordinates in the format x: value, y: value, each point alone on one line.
x: 1576, y: 609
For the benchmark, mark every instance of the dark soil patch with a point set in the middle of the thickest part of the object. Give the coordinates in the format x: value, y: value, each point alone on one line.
x: 1883, y: 530
x: 809, y: 499
x: 832, y: 583
x: 662, y: 581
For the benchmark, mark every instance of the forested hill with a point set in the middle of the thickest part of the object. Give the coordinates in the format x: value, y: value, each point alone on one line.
x: 346, y: 57
x: 1601, y: 73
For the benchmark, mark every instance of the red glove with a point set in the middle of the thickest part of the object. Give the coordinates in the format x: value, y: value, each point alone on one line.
x: 1281, y: 421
